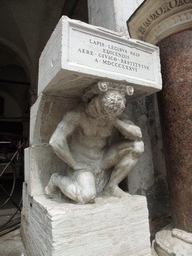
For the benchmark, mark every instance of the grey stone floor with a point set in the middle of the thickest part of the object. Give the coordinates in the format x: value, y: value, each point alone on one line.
x: 11, y: 244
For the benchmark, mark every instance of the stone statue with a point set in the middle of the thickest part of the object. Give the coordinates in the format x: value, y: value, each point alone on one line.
x: 81, y: 140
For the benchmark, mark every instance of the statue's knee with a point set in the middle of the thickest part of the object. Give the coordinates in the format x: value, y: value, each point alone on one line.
x: 138, y: 148
x: 88, y: 195
x: 87, y: 190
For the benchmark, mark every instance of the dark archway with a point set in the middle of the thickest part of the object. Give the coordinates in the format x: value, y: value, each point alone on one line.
x: 14, y: 132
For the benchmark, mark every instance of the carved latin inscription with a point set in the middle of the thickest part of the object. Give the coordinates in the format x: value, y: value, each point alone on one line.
x: 109, y: 55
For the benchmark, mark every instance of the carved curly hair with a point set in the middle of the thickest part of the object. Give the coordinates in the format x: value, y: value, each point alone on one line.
x: 113, y: 101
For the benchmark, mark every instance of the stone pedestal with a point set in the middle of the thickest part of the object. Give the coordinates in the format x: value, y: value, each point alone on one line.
x: 111, y: 226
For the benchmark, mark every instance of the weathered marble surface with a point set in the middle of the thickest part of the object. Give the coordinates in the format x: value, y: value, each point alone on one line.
x: 40, y: 160
x: 171, y: 241
x: 64, y: 81
x: 63, y: 77
x: 82, y: 140
x: 111, y: 226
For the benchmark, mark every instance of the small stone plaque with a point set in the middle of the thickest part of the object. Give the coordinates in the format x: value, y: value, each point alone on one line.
x: 79, y: 54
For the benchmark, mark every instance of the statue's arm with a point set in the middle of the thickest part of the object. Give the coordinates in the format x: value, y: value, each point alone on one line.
x: 58, y: 140
x: 128, y: 129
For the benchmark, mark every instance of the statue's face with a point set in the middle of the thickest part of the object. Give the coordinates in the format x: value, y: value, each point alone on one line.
x: 113, y: 103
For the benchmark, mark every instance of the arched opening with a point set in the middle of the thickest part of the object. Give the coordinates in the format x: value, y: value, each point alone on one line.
x: 14, y: 132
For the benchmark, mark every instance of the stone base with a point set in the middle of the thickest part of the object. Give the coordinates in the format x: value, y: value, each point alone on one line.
x: 171, y: 241
x: 111, y: 226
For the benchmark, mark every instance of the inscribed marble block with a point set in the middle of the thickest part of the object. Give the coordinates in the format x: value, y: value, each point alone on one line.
x: 78, y: 54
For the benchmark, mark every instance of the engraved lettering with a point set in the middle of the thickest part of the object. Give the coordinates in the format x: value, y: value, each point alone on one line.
x: 165, y: 8
x: 118, y: 65
x: 173, y: 4
x: 96, y: 43
x: 135, y: 54
x: 180, y: 3
x: 124, y: 61
x: 146, y: 24
x: 141, y: 30
x: 154, y: 16
x: 134, y: 64
x: 117, y: 54
x: 113, y: 55
x: 119, y: 49
x: 159, y: 11
x: 85, y: 51
x: 150, y: 17
x: 105, y: 56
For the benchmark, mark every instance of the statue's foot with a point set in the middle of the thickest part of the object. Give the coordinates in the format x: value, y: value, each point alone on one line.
x: 116, y: 192
x: 51, y: 188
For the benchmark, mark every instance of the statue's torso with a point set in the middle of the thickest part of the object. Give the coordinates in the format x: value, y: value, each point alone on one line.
x: 90, y: 137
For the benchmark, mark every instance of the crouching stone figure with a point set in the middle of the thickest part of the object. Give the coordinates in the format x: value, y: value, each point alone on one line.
x: 81, y: 140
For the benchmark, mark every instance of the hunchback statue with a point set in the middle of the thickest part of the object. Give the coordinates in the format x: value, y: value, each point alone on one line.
x: 82, y: 140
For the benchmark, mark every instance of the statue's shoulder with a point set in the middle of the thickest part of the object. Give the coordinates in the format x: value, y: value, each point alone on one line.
x: 80, y: 108
x: 74, y: 115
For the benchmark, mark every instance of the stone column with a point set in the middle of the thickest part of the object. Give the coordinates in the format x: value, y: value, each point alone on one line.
x: 175, y: 103
x: 168, y: 24
x: 112, y: 14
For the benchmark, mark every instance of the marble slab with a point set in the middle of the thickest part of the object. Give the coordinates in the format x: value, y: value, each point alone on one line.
x: 111, y: 226
x: 78, y: 54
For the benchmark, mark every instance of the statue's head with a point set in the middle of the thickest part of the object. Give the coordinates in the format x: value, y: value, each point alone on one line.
x: 106, y: 99
x: 113, y: 103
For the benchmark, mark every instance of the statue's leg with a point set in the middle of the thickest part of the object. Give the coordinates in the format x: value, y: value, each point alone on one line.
x: 123, y: 156
x: 79, y: 186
